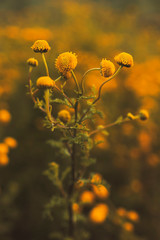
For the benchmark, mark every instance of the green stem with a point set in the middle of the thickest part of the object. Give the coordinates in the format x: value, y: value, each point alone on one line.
x: 46, y: 97
x: 76, y: 82
x: 84, y: 75
x: 99, y: 93
x: 45, y: 64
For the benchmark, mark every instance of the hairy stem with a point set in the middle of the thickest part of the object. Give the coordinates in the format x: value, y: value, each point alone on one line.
x: 45, y: 64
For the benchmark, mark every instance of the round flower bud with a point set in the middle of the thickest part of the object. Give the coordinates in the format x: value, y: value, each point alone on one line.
x: 41, y: 46
x: 45, y: 82
x: 66, y: 62
x: 32, y: 62
x: 99, y: 213
x: 107, y: 68
x: 64, y: 116
x: 3, y: 148
x: 143, y: 115
x: 128, y: 226
x: 124, y: 59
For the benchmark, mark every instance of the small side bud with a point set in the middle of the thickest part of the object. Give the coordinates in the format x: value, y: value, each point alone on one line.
x: 143, y: 114
x: 32, y: 62
x: 64, y: 116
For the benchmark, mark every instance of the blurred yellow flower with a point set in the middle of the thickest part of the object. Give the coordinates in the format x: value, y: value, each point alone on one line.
x: 45, y: 82
x: 87, y: 197
x: 99, y: 213
x: 128, y: 226
x: 132, y: 215
x: 4, y: 148
x: 96, y: 178
x: 41, y: 46
x: 107, y: 68
x: 5, y: 116
x: 4, y: 160
x: 121, y: 212
x: 11, y: 142
x: 124, y: 59
x: 100, y: 191
x: 76, y: 207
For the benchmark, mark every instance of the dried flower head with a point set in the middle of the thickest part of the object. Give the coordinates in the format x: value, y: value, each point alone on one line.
x: 124, y: 59
x: 107, y: 68
x: 99, y: 213
x: 143, y: 114
x: 32, y: 62
x: 41, y: 46
x: 64, y: 116
x: 45, y: 82
x: 66, y: 62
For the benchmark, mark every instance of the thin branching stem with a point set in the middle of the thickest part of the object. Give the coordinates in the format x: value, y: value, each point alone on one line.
x: 83, y: 78
x: 99, y: 94
x: 45, y: 64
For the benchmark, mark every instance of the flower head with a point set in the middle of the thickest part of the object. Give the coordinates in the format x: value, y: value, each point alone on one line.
x: 4, y: 160
x: 64, y: 116
x: 124, y: 59
x: 32, y: 62
x: 5, y: 116
x: 66, y: 62
x: 41, y: 46
x: 87, y: 197
x: 143, y: 114
x: 128, y: 226
x: 45, y: 82
x: 107, y: 68
x: 99, y: 213
x: 11, y: 142
x: 100, y: 191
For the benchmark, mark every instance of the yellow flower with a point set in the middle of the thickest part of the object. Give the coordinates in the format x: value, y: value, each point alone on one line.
x: 87, y: 197
x: 45, y: 82
x: 128, y: 226
x: 124, y: 59
x: 64, y: 116
x: 5, y: 116
x: 121, y: 212
x: 100, y: 191
x: 132, y: 215
x: 96, y: 178
x: 107, y: 68
x: 99, y: 213
x: 76, y: 208
x: 143, y: 114
x: 41, y: 46
x: 32, y: 62
x: 66, y: 62
x: 4, y: 160
x: 11, y: 142
x: 3, y: 148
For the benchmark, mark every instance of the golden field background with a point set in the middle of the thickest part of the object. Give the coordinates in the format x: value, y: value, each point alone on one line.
x: 129, y: 158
